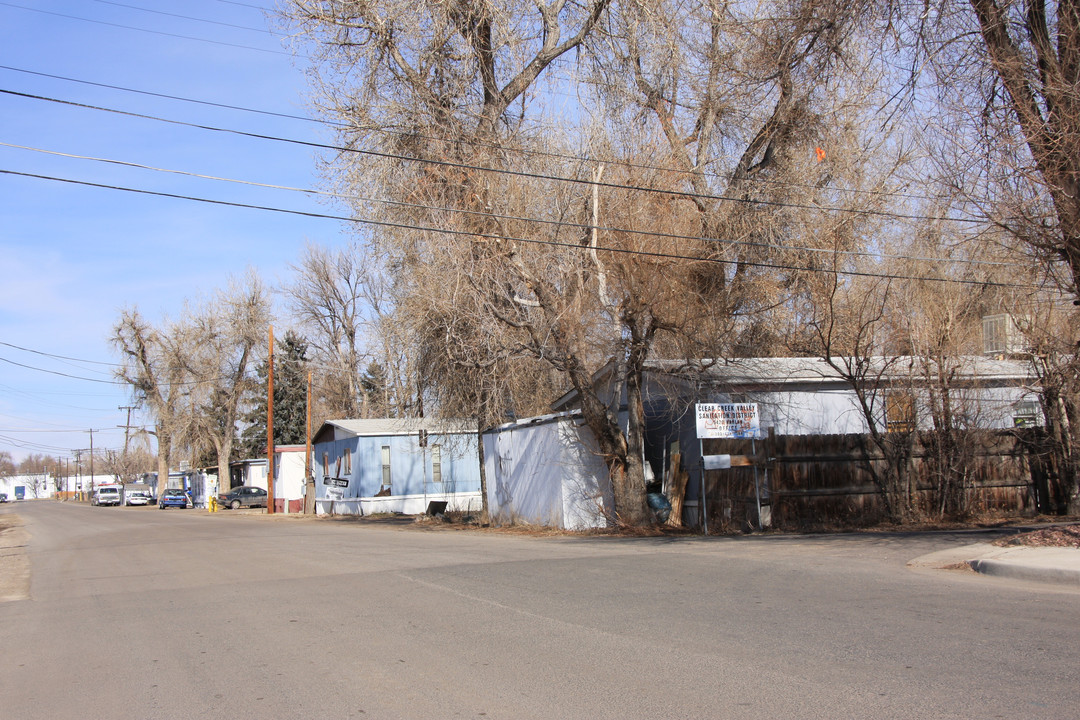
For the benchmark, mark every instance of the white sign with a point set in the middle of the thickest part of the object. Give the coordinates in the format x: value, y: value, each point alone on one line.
x: 728, y: 420
x: 716, y: 462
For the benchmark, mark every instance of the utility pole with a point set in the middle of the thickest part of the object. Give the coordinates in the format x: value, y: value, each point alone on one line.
x: 270, y: 428
x: 78, y: 474
x: 91, y: 459
x: 308, y: 481
x: 127, y: 429
x: 126, y: 426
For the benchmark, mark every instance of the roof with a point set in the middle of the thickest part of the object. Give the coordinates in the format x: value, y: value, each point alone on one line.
x: 774, y: 371
x: 789, y: 370
x: 384, y: 427
x: 574, y: 415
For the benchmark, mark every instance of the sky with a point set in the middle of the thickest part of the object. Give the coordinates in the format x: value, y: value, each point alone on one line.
x: 73, y: 255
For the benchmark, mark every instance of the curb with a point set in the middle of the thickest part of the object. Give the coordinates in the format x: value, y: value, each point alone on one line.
x: 1047, y: 565
x: 1056, y: 566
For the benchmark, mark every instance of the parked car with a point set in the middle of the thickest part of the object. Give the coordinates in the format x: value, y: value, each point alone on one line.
x: 3, y: 497
x: 174, y: 497
x: 107, y: 495
x: 137, y: 497
x: 243, y: 496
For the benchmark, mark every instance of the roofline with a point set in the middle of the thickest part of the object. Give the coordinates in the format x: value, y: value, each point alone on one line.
x: 681, y: 369
x: 410, y: 427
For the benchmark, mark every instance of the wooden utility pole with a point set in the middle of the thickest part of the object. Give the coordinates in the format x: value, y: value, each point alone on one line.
x: 270, y: 429
x: 127, y: 427
x: 78, y: 475
x: 308, y: 482
x: 91, y: 460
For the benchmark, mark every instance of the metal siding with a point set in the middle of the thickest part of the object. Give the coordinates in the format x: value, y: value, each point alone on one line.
x: 410, y: 465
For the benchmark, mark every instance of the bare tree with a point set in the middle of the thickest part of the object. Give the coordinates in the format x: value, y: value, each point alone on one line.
x: 223, y: 339
x: 762, y: 108
x: 328, y: 298
x: 127, y: 467
x: 942, y: 337
x: 1034, y: 50
x: 7, y: 464
x: 512, y: 254
x: 1003, y: 82
x: 442, y: 78
x: 849, y: 329
x: 1047, y: 328
x: 153, y: 366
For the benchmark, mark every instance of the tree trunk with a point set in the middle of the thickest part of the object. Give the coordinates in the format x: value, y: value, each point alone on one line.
x: 164, y: 441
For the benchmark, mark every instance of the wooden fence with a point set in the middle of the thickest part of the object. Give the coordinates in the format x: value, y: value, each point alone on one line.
x: 820, y: 481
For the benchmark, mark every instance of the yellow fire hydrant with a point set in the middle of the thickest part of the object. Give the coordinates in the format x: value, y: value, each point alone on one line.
x: 212, y: 505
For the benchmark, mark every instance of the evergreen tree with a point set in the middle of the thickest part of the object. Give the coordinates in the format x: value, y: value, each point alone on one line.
x: 290, y: 399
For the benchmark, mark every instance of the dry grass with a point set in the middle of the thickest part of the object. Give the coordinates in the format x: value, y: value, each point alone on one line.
x: 1066, y: 536
x: 14, y: 565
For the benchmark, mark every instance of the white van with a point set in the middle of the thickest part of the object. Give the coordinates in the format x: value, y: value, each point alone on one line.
x: 107, y: 495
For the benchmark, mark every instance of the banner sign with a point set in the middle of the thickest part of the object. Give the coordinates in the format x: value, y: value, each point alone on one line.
x: 728, y: 420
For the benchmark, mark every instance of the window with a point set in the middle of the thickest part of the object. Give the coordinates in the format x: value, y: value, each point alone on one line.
x: 1026, y: 414
x: 386, y: 465
x: 1000, y: 335
x: 436, y: 463
x: 899, y: 412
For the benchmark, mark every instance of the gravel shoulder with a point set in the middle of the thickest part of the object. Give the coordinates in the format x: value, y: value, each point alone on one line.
x: 14, y: 564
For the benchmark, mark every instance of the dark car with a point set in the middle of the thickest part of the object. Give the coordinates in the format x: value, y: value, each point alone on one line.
x: 173, y: 497
x: 243, y: 496
x: 3, y: 497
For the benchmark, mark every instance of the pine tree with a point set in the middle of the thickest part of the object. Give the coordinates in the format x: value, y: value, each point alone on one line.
x: 290, y: 399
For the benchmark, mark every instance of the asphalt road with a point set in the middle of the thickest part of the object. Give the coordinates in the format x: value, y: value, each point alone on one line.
x: 141, y: 613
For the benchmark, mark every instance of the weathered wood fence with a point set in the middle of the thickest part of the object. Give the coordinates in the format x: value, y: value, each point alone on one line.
x: 820, y: 481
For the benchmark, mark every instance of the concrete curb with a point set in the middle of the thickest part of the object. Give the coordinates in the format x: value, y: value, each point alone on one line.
x: 1060, y: 566
x: 1057, y: 566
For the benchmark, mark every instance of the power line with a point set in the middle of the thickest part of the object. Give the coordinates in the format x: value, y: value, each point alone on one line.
x: 471, y: 143
x: 58, y: 357
x: 179, y: 98
x: 532, y: 241
x: 57, y: 430
x: 97, y: 380
x: 514, y: 173
x: 56, y: 372
x: 185, y: 17
x: 27, y: 445
x: 541, y: 221
x: 145, y: 30
x: 242, y: 4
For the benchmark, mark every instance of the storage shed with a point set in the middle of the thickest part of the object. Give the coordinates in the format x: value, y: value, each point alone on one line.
x: 546, y: 471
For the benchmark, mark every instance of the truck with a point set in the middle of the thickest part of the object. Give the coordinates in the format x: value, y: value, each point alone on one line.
x: 108, y: 495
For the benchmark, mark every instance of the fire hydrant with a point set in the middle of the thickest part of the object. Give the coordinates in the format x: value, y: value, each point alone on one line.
x: 212, y: 505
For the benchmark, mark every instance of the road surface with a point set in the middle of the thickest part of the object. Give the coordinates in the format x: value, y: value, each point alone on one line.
x: 142, y: 613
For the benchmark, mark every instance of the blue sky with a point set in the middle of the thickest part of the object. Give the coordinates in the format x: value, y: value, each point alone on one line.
x: 74, y: 256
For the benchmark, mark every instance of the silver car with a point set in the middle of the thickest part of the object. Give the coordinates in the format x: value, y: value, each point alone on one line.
x: 243, y: 496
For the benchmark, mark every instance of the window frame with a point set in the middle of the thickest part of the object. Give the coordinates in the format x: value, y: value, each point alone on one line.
x: 436, y: 463
x: 387, y: 478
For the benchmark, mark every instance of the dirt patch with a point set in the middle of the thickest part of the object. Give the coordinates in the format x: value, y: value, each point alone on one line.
x: 14, y: 564
x: 958, y: 567
x: 1065, y: 536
